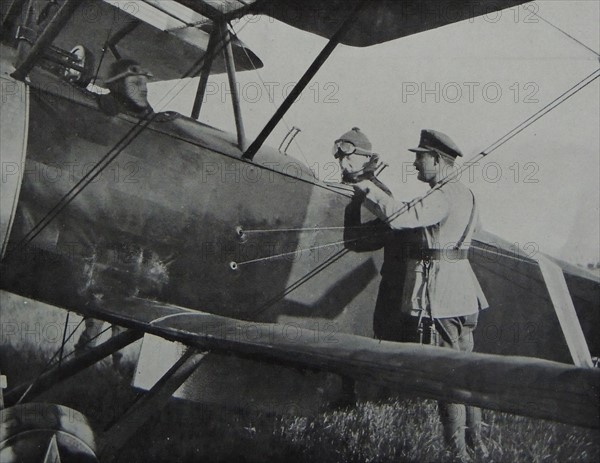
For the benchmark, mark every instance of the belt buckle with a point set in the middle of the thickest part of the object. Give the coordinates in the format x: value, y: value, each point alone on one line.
x: 426, y: 259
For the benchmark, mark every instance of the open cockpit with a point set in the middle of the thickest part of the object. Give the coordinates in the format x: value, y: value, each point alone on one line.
x: 74, y: 43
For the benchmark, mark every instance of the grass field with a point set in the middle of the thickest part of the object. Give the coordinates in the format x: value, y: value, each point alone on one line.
x: 392, y: 430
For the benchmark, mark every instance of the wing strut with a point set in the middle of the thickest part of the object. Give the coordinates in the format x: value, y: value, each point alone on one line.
x: 227, y: 37
x: 117, y: 436
x: 44, y: 40
x: 72, y: 366
x: 304, y: 81
x: 209, y: 56
x: 560, y: 296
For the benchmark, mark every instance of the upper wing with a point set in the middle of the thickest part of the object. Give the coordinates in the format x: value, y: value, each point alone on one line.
x: 379, y: 20
x: 165, y: 36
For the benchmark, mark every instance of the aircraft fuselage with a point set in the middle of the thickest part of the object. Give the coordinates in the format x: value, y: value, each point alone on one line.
x: 178, y: 215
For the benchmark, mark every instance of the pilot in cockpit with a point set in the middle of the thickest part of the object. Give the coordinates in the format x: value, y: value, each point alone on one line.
x: 127, y: 81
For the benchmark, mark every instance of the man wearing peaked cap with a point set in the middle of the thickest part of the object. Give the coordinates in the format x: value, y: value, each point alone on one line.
x: 432, y: 140
x: 441, y: 296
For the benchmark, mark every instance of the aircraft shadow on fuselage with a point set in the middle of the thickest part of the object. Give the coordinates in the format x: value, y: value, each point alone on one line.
x: 333, y: 302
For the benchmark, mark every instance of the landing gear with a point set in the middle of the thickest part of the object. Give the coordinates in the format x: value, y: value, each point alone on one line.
x: 47, y: 432
x: 43, y: 432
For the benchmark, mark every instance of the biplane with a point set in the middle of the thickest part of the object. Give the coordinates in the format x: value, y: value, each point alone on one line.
x: 249, y: 271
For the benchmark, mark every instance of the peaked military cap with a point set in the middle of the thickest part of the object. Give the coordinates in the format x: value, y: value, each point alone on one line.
x: 432, y: 140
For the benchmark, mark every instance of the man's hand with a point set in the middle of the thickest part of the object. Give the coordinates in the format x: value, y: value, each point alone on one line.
x: 361, y: 189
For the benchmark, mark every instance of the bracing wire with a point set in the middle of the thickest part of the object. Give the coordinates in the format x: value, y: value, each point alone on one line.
x: 501, y: 141
x: 50, y: 362
x: 563, y: 32
x: 288, y: 230
x: 105, y: 161
x: 291, y: 253
x: 466, y: 165
x: 494, y: 146
x: 300, y: 281
x: 104, y: 50
x: 64, y: 336
x: 272, y: 99
x: 142, y: 124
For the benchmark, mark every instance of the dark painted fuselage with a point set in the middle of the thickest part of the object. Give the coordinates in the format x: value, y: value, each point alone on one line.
x: 178, y: 207
x: 163, y: 219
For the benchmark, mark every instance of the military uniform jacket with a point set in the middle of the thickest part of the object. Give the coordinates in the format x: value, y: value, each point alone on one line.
x: 446, y: 286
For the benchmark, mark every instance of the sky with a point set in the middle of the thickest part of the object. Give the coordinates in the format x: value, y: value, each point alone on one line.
x: 475, y: 81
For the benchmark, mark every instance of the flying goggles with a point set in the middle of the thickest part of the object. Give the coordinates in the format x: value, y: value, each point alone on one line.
x: 132, y: 70
x: 343, y: 148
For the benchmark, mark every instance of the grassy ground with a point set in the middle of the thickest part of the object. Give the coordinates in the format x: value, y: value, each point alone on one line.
x: 394, y: 430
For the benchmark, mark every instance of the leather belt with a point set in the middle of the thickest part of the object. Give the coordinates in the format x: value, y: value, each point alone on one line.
x: 439, y: 254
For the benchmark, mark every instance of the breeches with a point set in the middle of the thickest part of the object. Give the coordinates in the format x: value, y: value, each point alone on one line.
x: 460, y: 422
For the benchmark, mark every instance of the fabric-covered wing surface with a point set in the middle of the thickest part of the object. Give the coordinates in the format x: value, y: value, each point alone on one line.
x: 511, y: 384
x: 163, y: 39
x: 379, y: 21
